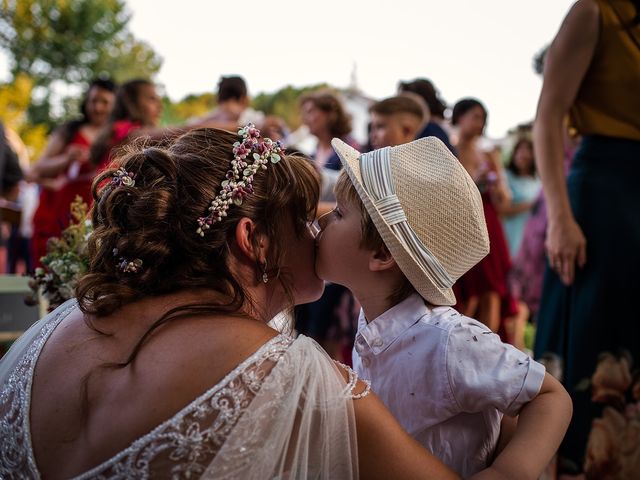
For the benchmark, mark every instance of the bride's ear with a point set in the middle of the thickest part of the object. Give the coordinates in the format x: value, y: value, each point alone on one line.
x: 252, y: 244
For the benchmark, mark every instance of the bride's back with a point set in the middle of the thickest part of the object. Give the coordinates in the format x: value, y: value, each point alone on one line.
x: 157, y: 255
x: 84, y: 412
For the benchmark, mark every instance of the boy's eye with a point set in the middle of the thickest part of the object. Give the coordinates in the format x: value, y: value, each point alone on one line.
x: 337, y: 212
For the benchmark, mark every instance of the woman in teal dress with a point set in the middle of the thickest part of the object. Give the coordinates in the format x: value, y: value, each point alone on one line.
x: 524, y: 187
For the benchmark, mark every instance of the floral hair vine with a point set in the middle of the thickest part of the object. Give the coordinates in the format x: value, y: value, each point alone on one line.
x: 122, y: 177
x: 239, y: 182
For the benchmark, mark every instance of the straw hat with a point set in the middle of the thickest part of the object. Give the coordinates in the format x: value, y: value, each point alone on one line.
x: 426, y: 208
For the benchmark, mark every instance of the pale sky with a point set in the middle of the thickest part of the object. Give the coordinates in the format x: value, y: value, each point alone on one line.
x: 467, y: 48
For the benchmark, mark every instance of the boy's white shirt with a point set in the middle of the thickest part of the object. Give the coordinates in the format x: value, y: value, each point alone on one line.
x: 446, y: 378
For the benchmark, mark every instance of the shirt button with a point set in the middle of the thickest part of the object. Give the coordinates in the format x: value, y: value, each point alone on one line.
x: 366, y: 362
x: 378, y: 342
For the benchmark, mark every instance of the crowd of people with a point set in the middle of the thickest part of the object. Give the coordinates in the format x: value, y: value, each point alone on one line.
x: 423, y: 247
x: 112, y: 116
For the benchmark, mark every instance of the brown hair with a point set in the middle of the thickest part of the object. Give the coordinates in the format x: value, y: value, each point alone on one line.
x: 511, y: 165
x: 397, y: 105
x: 428, y: 92
x: 125, y: 108
x: 463, y: 106
x: 156, y: 220
x: 371, y: 239
x: 328, y: 102
x: 231, y: 88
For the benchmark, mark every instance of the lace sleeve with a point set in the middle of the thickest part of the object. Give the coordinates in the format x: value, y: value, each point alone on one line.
x: 353, y: 382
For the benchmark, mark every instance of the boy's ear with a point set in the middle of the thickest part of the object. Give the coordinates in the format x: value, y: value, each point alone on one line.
x: 252, y: 245
x: 381, y: 259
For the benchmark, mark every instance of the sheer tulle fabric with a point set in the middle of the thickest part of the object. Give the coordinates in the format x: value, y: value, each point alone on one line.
x: 299, y: 425
x: 283, y: 413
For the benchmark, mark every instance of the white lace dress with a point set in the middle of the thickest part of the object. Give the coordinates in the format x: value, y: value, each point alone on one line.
x: 284, y: 412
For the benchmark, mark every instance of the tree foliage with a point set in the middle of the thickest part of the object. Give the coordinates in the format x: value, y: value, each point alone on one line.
x: 15, y: 98
x: 70, y: 42
x: 284, y: 103
x: 59, y: 39
x: 127, y: 58
x: 538, y: 60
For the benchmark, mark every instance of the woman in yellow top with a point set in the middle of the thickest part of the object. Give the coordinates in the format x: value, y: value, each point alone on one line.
x: 592, y: 74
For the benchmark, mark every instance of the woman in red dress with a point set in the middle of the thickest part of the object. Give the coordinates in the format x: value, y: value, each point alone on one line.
x: 483, y: 292
x: 137, y: 111
x: 64, y: 171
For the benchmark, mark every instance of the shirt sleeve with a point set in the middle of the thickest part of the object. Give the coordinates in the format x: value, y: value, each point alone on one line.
x: 484, y: 372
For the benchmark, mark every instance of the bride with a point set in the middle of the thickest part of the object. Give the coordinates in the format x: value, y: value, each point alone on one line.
x: 164, y: 366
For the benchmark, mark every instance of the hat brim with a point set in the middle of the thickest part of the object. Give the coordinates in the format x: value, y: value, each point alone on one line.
x: 418, y: 277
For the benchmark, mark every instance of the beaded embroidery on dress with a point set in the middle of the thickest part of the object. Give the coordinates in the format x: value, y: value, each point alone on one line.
x: 284, y: 412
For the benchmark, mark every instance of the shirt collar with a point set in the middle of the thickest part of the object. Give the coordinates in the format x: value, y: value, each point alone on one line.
x: 385, y: 329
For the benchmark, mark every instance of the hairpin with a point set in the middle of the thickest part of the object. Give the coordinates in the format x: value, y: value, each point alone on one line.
x: 122, y: 177
x: 238, y: 184
x: 125, y: 266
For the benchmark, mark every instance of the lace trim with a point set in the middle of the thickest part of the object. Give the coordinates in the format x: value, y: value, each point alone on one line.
x: 183, y: 432
x: 353, y: 382
x: 16, y: 452
x: 180, y: 447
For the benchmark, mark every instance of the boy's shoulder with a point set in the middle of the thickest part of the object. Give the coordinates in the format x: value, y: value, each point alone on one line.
x: 450, y: 320
x: 449, y: 330
x: 412, y: 324
x: 423, y: 320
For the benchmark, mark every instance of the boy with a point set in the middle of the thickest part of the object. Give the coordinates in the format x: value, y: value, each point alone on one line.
x: 396, y: 120
x: 408, y: 223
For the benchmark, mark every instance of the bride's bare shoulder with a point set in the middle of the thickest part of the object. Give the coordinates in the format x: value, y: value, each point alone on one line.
x: 208, y: 345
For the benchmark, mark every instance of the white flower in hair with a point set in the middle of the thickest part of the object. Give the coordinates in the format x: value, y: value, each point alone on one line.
x: 122, y: 177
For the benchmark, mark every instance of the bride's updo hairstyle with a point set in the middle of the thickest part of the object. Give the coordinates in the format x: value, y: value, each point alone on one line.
x: 146, y: 209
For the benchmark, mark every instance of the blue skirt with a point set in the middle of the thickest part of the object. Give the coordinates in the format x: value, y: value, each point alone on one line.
x: 594, y: 324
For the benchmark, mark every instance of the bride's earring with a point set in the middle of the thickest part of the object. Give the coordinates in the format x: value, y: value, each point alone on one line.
x: 265, y: 277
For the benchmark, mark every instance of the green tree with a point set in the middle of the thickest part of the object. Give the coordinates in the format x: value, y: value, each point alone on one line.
x: 538, y: 60
x: 14, y: 102
x: 59, y: 39
x: 284, y: 103
x: 71, y: 41
x: 127, y: 58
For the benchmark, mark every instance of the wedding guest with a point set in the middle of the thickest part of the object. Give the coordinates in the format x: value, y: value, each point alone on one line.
x: 437, y: 107
x: 64, y: 170
x: 524, y: 187
x: 394, y: 121
x: 483, y: 291
x: 233, y: 107
x: 137, y: 111
x: 325, y: 116
x: 591, y: 75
